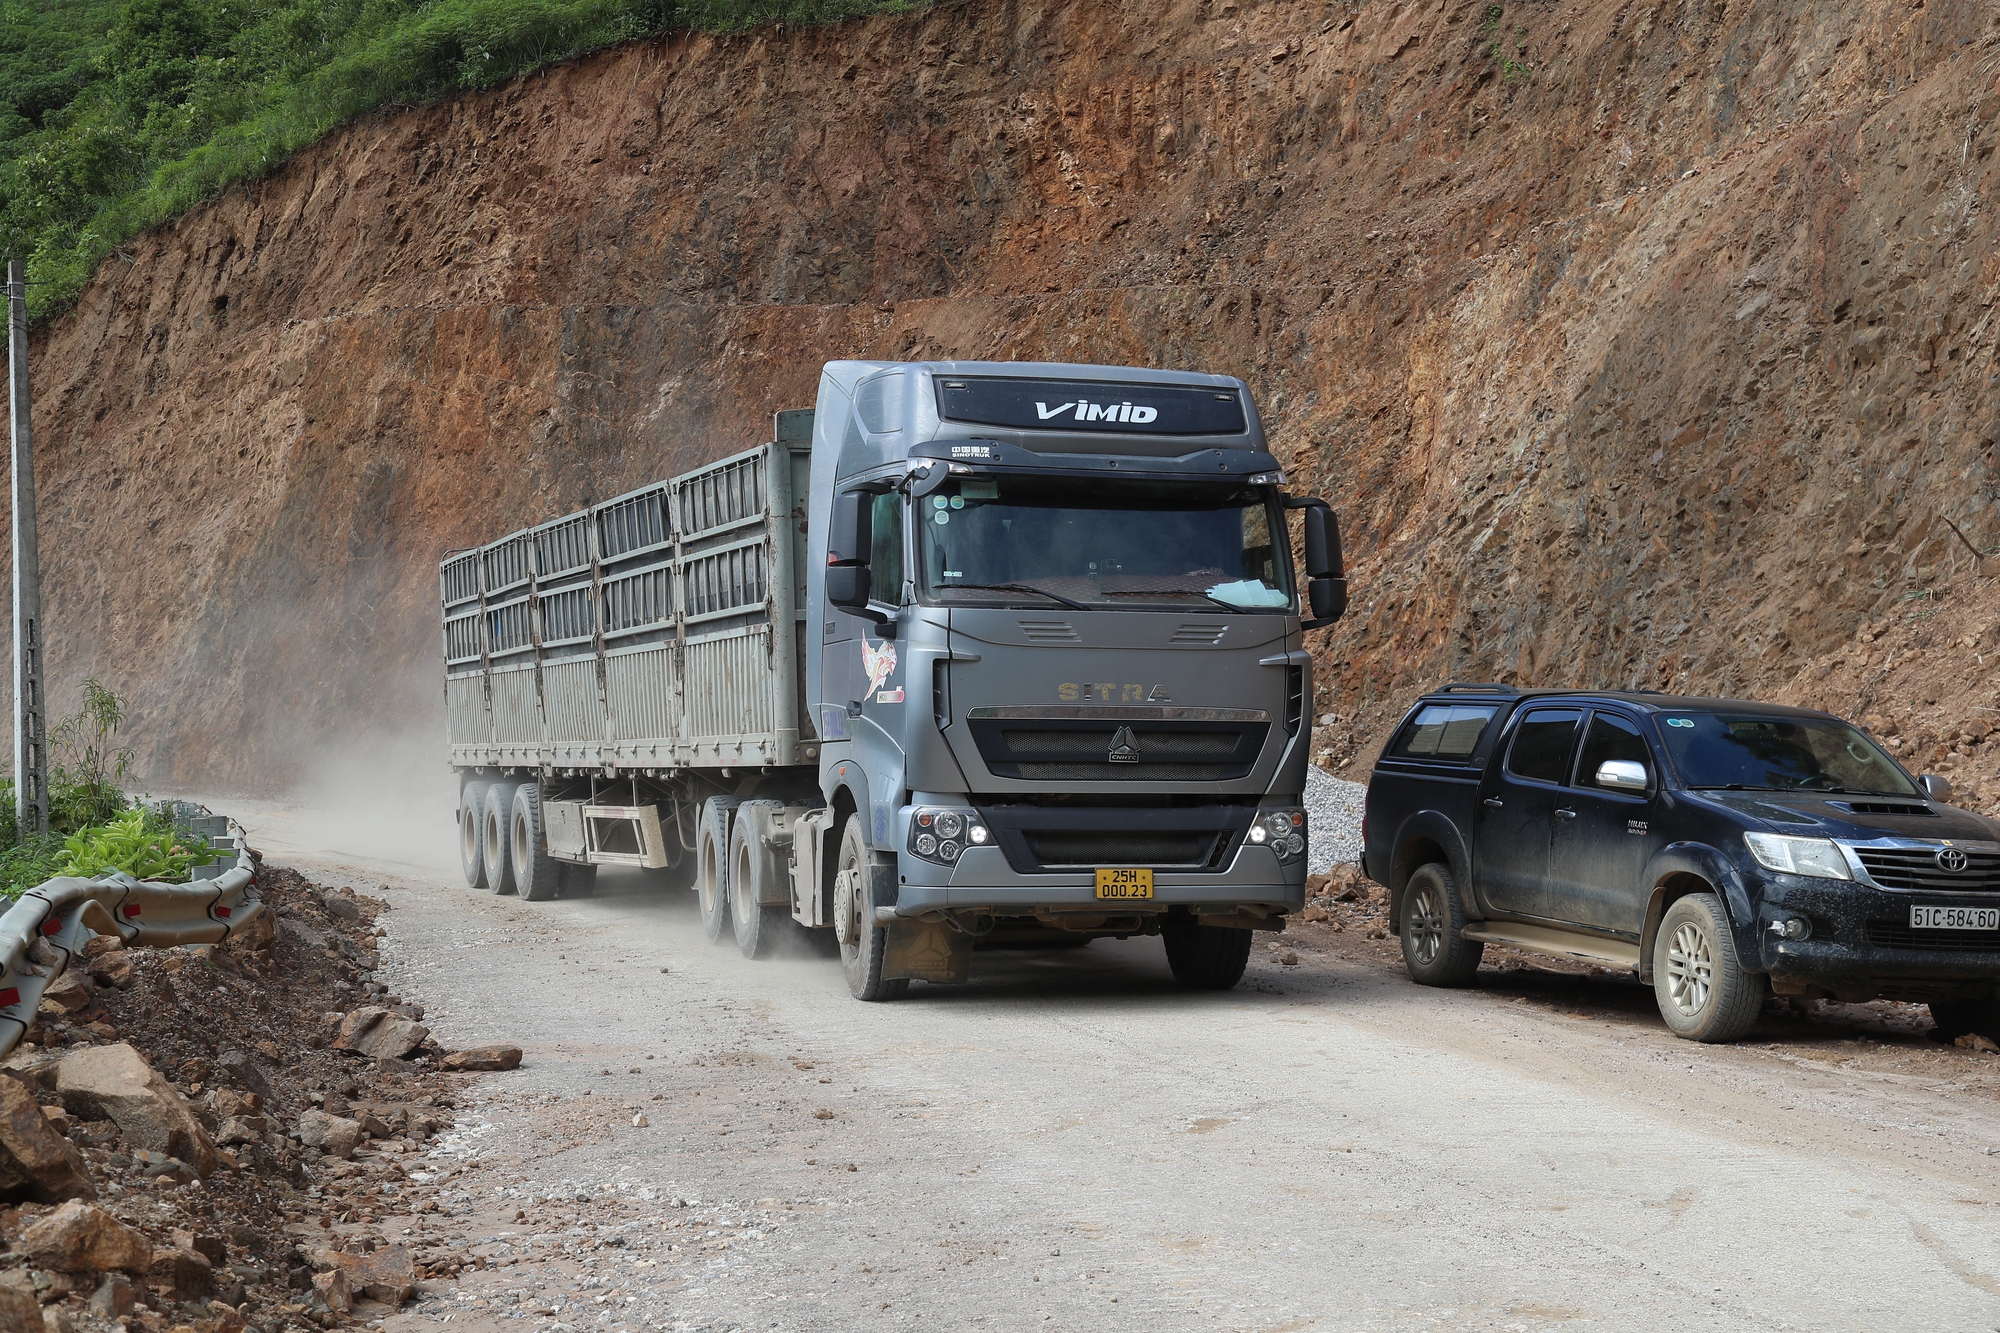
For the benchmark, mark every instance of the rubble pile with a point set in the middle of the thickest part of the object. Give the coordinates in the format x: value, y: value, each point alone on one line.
x: 211, y: 1137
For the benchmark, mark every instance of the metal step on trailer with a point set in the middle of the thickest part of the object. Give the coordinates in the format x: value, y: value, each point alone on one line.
x: 1559, y: 943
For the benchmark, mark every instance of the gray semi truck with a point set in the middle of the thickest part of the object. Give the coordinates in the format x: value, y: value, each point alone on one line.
x: 967, y: 651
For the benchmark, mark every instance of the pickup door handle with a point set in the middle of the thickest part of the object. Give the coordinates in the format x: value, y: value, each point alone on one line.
x: 1494, y: 803
x: 1565, y: 814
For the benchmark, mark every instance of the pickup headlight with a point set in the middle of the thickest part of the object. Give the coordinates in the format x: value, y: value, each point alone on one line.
x: 941, y: 835
x: 1816, y: 857
x: 1283, y: 831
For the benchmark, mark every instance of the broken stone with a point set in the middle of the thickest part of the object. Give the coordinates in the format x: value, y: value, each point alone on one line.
x: 331, y: 1134
x: 240, y: 1068
x: 375, y: 1127
x: 374, y: 1031
x: 340, y: 908
x: 154, y: 1165
x: 483, y: 1058
x: 256, y: 935
x: 184, y: 1275
x: 226, y: 1318
x: 99, y: 945
x: 116, y: 1083
x: 36, y: 1069
x: 228, y: 1101
x: 83, y: 1238
x: 68, y: 994
x: 333, y: 1290
x: 234, y: 1130
x: 55, y: 1319
x: 36, y: 1161
x: 20, y: 1312
x: 386, y: 1274
x: 1972, y: 1041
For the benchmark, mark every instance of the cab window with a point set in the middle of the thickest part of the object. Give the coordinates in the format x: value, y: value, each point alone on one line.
x: 885, y: 549
x: 1443, y: 731
x: 1610, y: 737
x: 1541, y: 747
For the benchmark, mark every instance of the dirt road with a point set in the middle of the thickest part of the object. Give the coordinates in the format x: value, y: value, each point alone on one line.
x: 1071, y: 1143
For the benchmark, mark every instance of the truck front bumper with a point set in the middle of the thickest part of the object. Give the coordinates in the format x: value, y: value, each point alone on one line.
x: 982, y: 879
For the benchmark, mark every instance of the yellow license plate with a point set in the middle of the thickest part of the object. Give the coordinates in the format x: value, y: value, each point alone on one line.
x: 1124, y: 883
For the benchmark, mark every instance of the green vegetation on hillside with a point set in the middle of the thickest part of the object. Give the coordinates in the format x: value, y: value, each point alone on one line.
x: 116, y: 115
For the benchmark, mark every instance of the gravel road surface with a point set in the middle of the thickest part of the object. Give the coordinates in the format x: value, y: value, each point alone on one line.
x: 1069, y: 1142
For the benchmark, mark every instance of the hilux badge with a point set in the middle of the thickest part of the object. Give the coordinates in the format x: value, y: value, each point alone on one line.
x: 1124, y: 747
x: 1950, y: 859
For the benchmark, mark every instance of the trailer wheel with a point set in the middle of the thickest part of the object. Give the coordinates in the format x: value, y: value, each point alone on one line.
x: 537, y: 875
x: 493, y: 839
x: 578, y: 881
x: 863, y: 944
x: 753, y: 869
x: 1703, y: 991
x: 711, y: 883
x: 1205, y: 957
x: 471, y: 815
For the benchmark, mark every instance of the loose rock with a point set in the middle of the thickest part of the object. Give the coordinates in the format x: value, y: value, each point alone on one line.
x: 83, y: 1238
x: 375, y: 1032
x: 19, y: 1311
x: 484, y: 1058
x: 331, y: 1134
x: 68, y: 994
x: 116, y: 1083
x: 36, y: 1161
x: 386, y: 1274
x: 333, y: 1290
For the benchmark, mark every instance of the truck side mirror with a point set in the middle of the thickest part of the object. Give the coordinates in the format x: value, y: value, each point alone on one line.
x: 847, y: 586
x: 1326, y: 571
x: 848, y: 537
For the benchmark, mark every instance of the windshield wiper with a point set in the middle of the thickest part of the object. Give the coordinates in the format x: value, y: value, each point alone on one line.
x: 1176, y: 592
x: 1015, y: 587
x: 1736, y: 786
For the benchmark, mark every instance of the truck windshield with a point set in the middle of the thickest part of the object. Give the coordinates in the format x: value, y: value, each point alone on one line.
x: 1101, y: 545
x: 1717, y: 750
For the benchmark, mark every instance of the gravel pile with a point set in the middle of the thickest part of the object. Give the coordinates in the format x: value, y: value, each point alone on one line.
x: 1333, y: 817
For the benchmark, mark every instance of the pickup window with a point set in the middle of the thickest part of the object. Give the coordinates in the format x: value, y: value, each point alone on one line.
x: 1443, y: 731
x: 1541, y: 748
x: 1610, y: 737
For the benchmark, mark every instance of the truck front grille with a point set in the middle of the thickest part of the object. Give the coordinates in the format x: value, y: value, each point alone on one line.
x: 1081, y: 850
x: 1104, y: 750
x: 1917, y: 868
x: 1064, y: 838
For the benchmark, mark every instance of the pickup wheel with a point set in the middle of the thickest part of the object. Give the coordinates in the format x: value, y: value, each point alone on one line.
x: 537, y: 875
x: 1435, y: 949
x: 1959, y: 1018
x: 471, y: 817
x: 493, y: 837
x: 1703, y: 991
x: 1205, y: 957
x: 864, y: 946
x: 711, y: 876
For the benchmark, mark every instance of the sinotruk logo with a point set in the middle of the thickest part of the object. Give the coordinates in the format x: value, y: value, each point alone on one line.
x: 1088, y: 411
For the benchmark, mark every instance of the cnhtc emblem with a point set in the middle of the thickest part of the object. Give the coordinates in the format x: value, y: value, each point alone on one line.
x: 1124, y: 747
x: 1950, y: 859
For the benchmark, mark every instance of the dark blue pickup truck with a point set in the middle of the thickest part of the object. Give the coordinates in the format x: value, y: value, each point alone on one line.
x: 1719, y: 848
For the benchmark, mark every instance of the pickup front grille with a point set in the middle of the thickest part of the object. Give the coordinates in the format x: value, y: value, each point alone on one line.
x: 1917, y: 868
x: 1891, y: 935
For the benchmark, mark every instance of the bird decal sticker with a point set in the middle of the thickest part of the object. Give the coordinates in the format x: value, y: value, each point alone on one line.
x: 878, y: 662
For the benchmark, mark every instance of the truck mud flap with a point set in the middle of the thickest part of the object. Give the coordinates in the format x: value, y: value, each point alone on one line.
x: 926, y: 951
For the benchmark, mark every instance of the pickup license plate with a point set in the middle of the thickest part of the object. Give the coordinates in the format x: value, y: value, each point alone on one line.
x: 1922, y: 918
x: 1124, y: 883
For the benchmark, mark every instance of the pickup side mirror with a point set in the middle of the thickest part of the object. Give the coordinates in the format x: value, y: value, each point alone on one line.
x: 1326, y: 571
x: 1935, y: 787
x: 1622, y: 775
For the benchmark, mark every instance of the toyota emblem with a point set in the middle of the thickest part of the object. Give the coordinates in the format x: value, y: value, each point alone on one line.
x: 1950, y: 859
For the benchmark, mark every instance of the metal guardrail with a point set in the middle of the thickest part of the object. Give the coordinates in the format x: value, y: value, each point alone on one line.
x: 43, y: 932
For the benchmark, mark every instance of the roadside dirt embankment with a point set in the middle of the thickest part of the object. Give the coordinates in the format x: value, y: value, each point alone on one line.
x: 1636, y: 343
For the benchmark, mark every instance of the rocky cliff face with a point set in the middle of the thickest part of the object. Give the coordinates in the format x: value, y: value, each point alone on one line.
x: 1636, y: 343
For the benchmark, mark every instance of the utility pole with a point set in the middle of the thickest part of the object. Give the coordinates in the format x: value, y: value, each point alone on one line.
x: 31, y: 773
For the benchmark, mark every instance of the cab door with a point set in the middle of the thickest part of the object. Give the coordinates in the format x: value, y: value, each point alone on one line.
x: 1517, y: 812
x: 1604, y: 835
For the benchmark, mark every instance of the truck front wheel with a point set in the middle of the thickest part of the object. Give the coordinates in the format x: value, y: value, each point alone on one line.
x: 1435, y: 949
x: 1704, y: 993
x: 1205, y: 957
x: 863, y: 944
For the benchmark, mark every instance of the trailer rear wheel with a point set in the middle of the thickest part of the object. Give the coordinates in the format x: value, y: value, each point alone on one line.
x: 578, y: 881
x: 1205, y: 957
x: 711, y: 883
x: 863, y: 944
x: 471, y: 815
x: 537, y: 875
x: 753, y: 873
x: 493, y: 839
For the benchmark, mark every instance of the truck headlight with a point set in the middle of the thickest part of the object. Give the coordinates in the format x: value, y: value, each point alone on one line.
x: 941, y: 835
x: 1817, y: 858
x: 1283, y: 831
